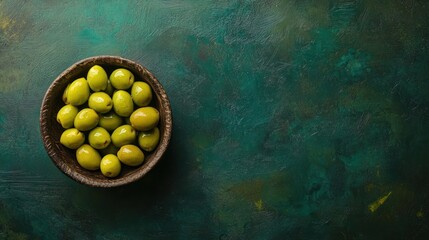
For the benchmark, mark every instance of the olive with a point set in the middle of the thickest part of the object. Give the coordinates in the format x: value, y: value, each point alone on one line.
x: 72, y: 138
x: 64, y: 97
x: 122, y: 103
x: 131, y: 155
x: 86, y: 119
x: 110, y: 149
x: 122, y: 79
x: 88, y: 157
x: 148, y: 140
x: 97, y: 78
x: 100, y: 102
x: 110, y: 166
x: 144, y: 119
x: 141, y: 94
x: 66, y: 115
x: 109, y: 89
x: 123, y: 135
x: 78, y: 92
x: 110, y: 121
x: 99, y: 138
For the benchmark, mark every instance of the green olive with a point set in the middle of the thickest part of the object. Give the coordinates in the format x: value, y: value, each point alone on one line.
x: 110, y: 165
x: 123, y: 103
x: 123, y: 135
x: 66, y: 115
x: 78, y: 92
x: 144, y: 119
x: 72, y: 138
x: 141, y: 93
x: 100, y: 102
x: 65, y: 94
x: 97, y: 78
x: 110, y: 121
x: 110, y: 149
x: 88, y: 157
x: 131, y: 155
x: 86, y: 119
x: 99, y: 138
x: 109, y: 89
x: 122, y: 79
x: 149, y: 140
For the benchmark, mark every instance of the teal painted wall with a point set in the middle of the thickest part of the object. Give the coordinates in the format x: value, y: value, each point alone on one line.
x: 292, y: 119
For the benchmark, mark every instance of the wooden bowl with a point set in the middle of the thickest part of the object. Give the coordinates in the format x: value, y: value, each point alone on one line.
x: 64, y: 158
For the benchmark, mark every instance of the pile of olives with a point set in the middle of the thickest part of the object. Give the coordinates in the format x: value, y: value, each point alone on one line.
x: 108, y: 120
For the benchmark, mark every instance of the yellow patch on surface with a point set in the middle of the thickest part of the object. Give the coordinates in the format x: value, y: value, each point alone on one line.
x: 9, y: 27
x: 420, y: 214
x: 259, y: 205
x: 375, y: 205
x: 4, y: 24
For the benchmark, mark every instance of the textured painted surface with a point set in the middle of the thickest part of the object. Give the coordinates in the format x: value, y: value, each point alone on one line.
x: 293, y: 119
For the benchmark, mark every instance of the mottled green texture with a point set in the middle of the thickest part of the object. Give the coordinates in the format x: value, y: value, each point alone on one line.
x: 290, y: 119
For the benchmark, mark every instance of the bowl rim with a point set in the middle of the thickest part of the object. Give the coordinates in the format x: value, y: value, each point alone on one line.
x: 49, y: 143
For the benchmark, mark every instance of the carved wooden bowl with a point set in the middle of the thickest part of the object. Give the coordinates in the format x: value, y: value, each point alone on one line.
x: 64, y: 158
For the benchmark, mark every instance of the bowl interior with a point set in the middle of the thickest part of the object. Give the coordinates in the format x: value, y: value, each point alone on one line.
x: 51, y: 131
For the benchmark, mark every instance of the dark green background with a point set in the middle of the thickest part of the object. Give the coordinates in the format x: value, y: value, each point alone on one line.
x: 290, y: 119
